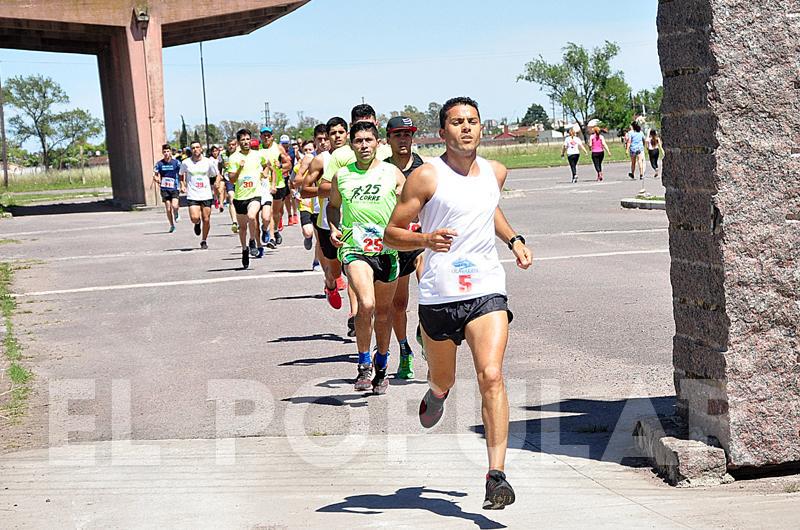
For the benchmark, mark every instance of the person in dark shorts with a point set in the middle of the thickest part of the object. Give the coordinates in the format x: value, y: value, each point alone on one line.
x: 246, y: 168
x: 400, y: 135
x: 165, y: 174
x: 362, y: 196
x: 197, y: 173
x: 462, y: 289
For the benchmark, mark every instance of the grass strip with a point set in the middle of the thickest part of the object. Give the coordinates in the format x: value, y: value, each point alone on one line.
x: 17, y: 373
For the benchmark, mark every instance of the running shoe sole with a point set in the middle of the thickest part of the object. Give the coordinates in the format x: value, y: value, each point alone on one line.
x: 245, y: 258
x: 499, y: 496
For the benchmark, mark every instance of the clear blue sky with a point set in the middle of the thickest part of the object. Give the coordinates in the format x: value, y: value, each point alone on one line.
x: 322, y: 58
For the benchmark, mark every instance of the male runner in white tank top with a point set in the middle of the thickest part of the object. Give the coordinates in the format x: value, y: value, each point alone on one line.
x: 462, y: 291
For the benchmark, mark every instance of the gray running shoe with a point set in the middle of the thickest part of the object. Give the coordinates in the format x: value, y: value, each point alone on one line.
x: 363, y: 380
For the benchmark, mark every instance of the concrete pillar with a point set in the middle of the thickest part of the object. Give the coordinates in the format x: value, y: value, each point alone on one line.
x: 731, y: 116
x: 131, y: 80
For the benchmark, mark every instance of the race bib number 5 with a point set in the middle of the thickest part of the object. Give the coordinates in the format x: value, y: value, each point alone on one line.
x: 459, y: 276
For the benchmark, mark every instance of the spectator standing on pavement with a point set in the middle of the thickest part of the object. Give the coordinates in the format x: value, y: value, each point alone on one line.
x: 573, y: 147
x: 599, y: 150
x: 635, y: 148
x: 654, y: 149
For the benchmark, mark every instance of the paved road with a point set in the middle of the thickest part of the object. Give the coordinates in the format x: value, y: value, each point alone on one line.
x: 157, y: 340
x: 115, y: 297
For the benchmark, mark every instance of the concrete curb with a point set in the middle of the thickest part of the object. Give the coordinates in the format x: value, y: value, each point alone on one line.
x: 682, y: 462
x: 643, y: 204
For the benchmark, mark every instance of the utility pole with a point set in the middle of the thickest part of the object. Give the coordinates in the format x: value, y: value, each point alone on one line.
x: 3, y: 135
x: 205, y: 107
x: 362, y: 100
x: 266, y: 113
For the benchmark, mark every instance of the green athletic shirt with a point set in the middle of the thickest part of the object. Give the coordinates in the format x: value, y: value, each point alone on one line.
x: 368, y: 199
x: 273, y: 155
x: 344, y: 156
x: 248, y: 185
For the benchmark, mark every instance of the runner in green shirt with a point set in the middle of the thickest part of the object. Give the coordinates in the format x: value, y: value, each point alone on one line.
x: 245, y: 169
x: 367, y: 191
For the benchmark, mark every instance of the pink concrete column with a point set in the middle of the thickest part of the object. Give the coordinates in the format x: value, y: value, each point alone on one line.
x: 131, y: 79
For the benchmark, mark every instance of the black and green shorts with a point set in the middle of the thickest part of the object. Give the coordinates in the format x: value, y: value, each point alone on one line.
x: 385, y: 267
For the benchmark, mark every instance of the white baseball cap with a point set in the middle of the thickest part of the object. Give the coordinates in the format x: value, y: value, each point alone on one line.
x: 285, y: 139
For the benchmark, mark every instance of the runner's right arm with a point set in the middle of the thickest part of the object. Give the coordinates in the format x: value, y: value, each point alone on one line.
x: 418, y: 189
x: 315, y: 170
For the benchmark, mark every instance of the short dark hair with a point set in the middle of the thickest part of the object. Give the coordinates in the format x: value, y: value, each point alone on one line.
x: 243, y: 132
x: 166, y: 146
x: 636, y: 127
x: 363, y: 126
x: 454, y: 102
x: 333, y: 122
x: 361, y: 112
x: 320, y: 129
x: 195, y: 142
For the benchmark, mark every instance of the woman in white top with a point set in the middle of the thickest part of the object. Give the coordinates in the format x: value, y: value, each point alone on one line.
x: 573, y: 147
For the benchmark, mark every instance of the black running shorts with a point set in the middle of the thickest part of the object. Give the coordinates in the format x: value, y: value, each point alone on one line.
x: 168, y: 195
x: 448, y: 321
x: 204, y: 204
x: 324, y: 238
x: 307, y: 218
x: 241, y: 206
x: 408, y: 261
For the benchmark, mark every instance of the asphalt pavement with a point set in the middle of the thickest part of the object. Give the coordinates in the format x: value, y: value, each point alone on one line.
x: 217, y: 397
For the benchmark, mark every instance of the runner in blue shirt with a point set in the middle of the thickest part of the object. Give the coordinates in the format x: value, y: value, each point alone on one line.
x: 166, y: 175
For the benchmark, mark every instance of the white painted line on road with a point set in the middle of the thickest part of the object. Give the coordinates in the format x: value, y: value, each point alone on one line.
x: 602, y: 232
x: 272, y: 275
x: 234, y: 251
x: 595, y: 255
x: 84, y: 228
x: 567, y: 187
x: 204, y: 281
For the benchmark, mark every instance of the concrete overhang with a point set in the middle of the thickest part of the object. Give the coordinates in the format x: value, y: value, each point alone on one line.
x: 84, y: 26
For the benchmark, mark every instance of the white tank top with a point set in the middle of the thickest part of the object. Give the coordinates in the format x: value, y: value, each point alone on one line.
x: 322, y: 218
x: 471, y: 268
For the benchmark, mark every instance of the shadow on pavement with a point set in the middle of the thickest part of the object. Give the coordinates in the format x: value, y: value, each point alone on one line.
x: 341, y: 358
x: 410, y: 499
x: 328, y: 337
x: 592, y: 429
x: 300, y: 297
x: 64, y: 208
x: 350, y: 400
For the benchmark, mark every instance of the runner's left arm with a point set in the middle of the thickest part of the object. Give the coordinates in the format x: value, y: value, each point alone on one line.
x: 334, y: 213
x: 502, y: 228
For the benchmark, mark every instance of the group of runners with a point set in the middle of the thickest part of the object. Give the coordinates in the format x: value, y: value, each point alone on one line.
x: 379, y: 213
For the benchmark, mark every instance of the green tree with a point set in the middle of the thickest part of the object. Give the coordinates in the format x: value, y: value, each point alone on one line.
x: 651, y: 101
x: 536, y: 114
x: 279, y: 122
x: 34, y: 97
x: 575, y: 81
x: 613, y: 105
x: 72, y: 129
x: 183, y: 138
x: 229, y: 128
x: 432, y: 125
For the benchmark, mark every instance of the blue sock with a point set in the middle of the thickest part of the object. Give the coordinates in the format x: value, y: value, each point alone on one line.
x: 381, y: 360
x: 364, y: 358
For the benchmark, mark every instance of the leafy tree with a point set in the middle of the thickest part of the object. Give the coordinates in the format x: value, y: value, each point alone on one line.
x: 71, y: 130
x: 536, y: 114
x: 34, y: 97
x: 613, y: 104
x: 229, y: 128
x: 432, y: 126
x: 651, y: 100
x: 196, y: 137
x: 279, y: 122
x: 183, y: 139
x: 576, y: 80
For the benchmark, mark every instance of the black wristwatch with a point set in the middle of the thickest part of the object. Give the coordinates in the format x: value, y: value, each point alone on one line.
x: 514, y: 240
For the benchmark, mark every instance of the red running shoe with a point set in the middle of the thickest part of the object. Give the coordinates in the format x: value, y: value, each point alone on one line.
x: 334, y: 299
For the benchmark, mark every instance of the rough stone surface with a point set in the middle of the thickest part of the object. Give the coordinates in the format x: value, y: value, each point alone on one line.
x: 682, y: 462
x: 731, y: 83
